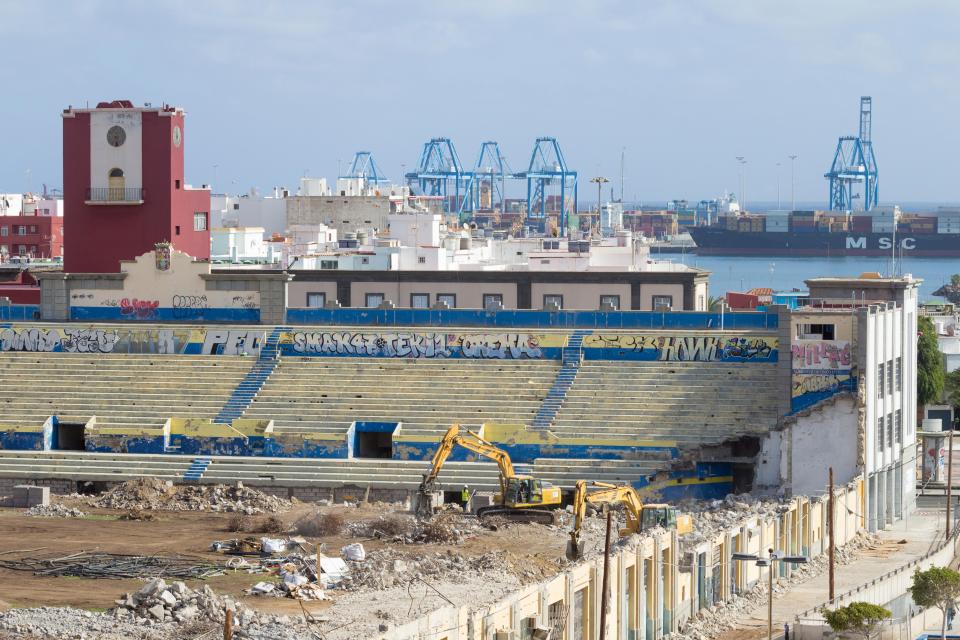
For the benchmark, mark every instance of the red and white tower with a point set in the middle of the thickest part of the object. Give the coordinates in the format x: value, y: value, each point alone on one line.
x: 123, y: 187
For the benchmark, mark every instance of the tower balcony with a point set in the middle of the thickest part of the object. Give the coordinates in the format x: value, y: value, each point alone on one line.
x: 115, y: 195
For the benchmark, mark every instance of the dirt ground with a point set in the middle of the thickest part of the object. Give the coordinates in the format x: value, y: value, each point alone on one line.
x: 191, y: 533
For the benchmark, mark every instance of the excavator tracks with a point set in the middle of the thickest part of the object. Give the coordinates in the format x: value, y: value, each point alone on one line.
x: 539, y: 516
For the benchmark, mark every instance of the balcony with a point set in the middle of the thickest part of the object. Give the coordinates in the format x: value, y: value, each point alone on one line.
x: 115, y: 195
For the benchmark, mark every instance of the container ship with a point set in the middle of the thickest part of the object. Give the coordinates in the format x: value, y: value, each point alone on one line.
x: 879, y: 232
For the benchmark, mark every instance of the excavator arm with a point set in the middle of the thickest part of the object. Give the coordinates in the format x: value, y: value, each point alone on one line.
x: 473, y: 442
x: 604, y: 494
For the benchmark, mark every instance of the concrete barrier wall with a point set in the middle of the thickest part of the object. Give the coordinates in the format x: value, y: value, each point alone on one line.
x: 653, y: 581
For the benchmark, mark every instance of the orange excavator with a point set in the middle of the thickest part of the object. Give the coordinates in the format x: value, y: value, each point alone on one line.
x: 522, y: 498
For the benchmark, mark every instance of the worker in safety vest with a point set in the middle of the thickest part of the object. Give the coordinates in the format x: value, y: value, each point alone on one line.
x: 465, y: 496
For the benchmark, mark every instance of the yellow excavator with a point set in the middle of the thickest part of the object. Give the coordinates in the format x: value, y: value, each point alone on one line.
x: 522, y: 498
x: 639, y: 516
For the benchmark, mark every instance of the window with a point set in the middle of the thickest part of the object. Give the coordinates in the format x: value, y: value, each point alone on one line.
x: 889, y: 422
x: 449, y: 298
x: 898, y: 426
x: 236, y: 206
x: 200, y: 221
x: 374, y: 300
x: 33, y: 228
x: 316, y: 300
x: 22, y: 249
x: 364, y: 260
x: 552, y: 298
x: 421, y: 259
x: 898, y: 373
x: 880, y: 427
x: 176, y: 230
x: 825, y: 331
x: 21, y: 230
x: 611, y: 301
x: 176, y: 184
x: 492, y: 300
x: 890, y: 377
x: 328, y: 264
x: 880, y: 380
x: 419, y: 300
x: 4, y: 248
x: 662, y: 303
x: 4, y: 231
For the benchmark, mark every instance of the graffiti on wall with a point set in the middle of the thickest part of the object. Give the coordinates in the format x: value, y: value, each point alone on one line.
x: 189, y: 307
x: 136, y: 309
x: 705, y: 348
x: 155, y: 341
x: 416, y: 345
x: 821, y: 368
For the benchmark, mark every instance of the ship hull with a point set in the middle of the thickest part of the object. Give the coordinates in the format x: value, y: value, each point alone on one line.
x: 725, y: 242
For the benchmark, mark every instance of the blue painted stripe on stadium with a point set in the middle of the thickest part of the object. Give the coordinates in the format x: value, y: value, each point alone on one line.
x: 248, y: 388
x: 532, y: 319
x: 807, y: 400
x: 19, y: 312
x: 168, y: 314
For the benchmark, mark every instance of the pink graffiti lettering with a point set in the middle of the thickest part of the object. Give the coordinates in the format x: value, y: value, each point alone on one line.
x: 139, y: 309
x: 826, y: 354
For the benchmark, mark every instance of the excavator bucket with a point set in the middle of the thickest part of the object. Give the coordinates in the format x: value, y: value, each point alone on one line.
x: 574, y: 548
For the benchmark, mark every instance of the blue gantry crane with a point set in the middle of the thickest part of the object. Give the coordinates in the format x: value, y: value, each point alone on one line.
x: 439, y: 173
x: 854, y: 164
x: 548, y: 168
x: 363, y: 166
x: 487, y: 182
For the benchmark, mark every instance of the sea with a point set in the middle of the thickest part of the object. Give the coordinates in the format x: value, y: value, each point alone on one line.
x: 735, y: 273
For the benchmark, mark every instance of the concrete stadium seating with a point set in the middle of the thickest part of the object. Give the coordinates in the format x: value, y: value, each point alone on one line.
x: 298, y: 472
x: 690, y: 403
x: 327, y: 394
x: 120, y: 390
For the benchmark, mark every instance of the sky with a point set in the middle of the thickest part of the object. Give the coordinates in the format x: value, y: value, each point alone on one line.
x: 277, y: 90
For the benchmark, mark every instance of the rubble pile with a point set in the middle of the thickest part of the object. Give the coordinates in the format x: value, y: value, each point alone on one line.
x: 446, y: 527
x: 155, y: 494
x: 157, y: 602
x: 710, y: 623
x: 383, y: 569
x: 54, y: 511
x: 719, y: 515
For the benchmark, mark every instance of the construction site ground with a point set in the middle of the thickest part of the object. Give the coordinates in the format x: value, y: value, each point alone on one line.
x: 532, y: 552
x: 903, y: 542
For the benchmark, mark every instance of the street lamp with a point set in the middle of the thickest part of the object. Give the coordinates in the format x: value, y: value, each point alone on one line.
x: 768, y: 561
x: 743, y: 196
x: 600, y: 181
x: 793, y: 202
x: 778, y: 186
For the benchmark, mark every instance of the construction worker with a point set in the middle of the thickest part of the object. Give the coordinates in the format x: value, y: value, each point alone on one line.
x: 465, y: 497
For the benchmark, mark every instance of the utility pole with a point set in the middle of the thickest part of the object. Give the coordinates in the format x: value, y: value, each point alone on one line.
x: 832, y: 549
x: 793, y: 202
x: 623, y: 152
x: 770, y: 596
x: 605, y: 594
x: 600, y: 181
x: 949, y: 482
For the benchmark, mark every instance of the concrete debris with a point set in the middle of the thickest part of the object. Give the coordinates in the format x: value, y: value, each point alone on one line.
x: 712, y: 622
x: 384, y: 569
x: 447, y: 527
x: 54, y: 511
x: 156, y: 494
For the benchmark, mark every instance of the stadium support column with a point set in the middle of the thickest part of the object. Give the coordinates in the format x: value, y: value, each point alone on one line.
x: 273, y: 297
x: 784, y: 360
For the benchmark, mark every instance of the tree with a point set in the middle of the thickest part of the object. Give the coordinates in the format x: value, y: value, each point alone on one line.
x: 955, y: 280
x: 951, y: 387
x: 936, y: 587
x: 929, y: 363
x: 862, y: 618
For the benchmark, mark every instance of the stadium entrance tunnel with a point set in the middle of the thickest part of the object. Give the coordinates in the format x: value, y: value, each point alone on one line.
x: 69, y: 436
x: 742, y: 455
x: 372, y: 439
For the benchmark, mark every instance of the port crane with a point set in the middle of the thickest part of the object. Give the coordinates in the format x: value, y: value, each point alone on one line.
x: 854, y: 163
